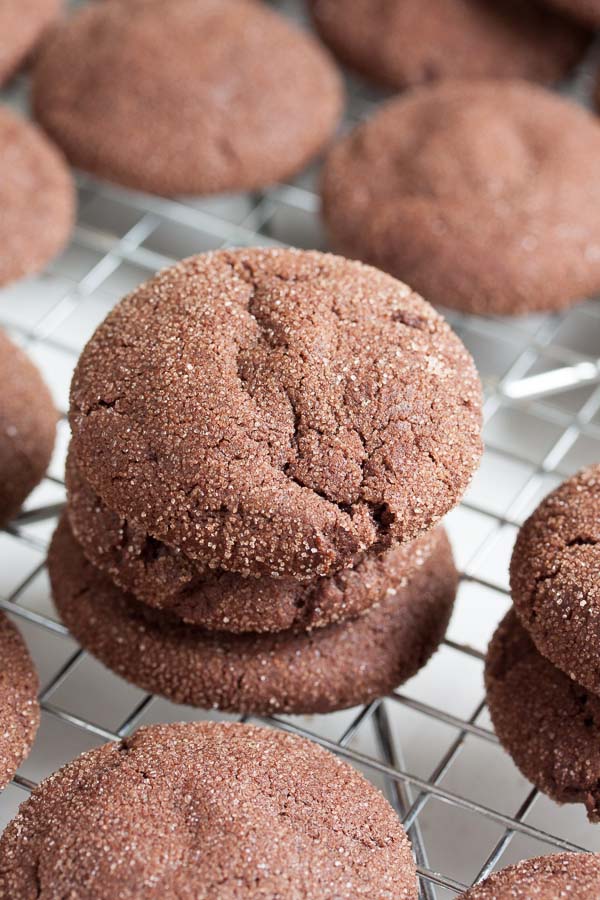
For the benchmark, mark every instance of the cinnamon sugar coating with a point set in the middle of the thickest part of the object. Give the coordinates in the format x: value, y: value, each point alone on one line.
x: 276, y: 412
x: 165, y: 578
x: 559, y: 876
x: 206, y: 811
x: 19, y: 709
x: 555, y: 577
x: 22, y: 23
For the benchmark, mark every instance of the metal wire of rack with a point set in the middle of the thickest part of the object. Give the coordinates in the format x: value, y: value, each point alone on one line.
x: 429, y: 745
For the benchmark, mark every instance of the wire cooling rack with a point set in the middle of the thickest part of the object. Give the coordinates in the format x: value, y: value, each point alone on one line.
x: 429, y: 745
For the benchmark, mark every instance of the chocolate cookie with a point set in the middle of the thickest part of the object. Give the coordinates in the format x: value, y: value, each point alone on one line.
x: 19, y: 710
x: 327, y: 669
x: 399, y: 43
x: 27, y: 427
x: 166, y: 579
x: 22, y: 23
x: 483, y: 196
x: 586, y: 11
x: 207, y: 810
x: 186, y: 97
x: 37, y: 199
x: 276, y: 412
x: 555, y: 577
x: 561, y: 875
x: 547, y: 723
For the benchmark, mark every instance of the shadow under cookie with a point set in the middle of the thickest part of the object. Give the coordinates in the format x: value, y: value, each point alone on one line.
x: 548, y: 723
x: 332, y: 668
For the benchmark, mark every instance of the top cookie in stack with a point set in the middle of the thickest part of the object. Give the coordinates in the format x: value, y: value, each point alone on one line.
x: 250, y: 423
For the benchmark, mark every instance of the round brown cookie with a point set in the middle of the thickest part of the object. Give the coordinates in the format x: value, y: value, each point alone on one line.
x: 399, y: 43
x: 555, y: 577
x: 186, y: 97
x: 27, y: 427
x: 166, y: 579
x: 586, y: 11
x: 37, y: 199
x: 19, y: 710
x: 276, y: 412
x: 548, y: 723
x: 22, y: 23
x: 560, y: 876
x: 199, y: 810
x: 327, y: 669
x: 483, y: 196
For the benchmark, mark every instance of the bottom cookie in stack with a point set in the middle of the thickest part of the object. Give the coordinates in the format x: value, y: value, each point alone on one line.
x: 329, y: 668
x: 548, y: 723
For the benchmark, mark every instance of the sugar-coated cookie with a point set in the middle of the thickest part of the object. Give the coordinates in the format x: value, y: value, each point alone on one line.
x: 27, y: 427
x: 276, y: 412
x: 37, y: 199
x: 559, y: 876
x: 186, y: 97
x: 19, y: 708
x: 481, y: 195
x: 399, y: 43
x: 219, y: 600
x: 555, y: 577
x: 205, y: 810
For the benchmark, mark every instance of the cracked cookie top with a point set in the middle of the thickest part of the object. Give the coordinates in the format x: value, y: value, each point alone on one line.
x: 164, y: 578
x: 555, y: 577
x: 186, y: 97
x: 276, y: 412
x: 207, y: 810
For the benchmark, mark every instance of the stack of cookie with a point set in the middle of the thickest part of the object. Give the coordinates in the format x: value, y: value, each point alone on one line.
x: 263, y: 443
x: 542, y: 670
